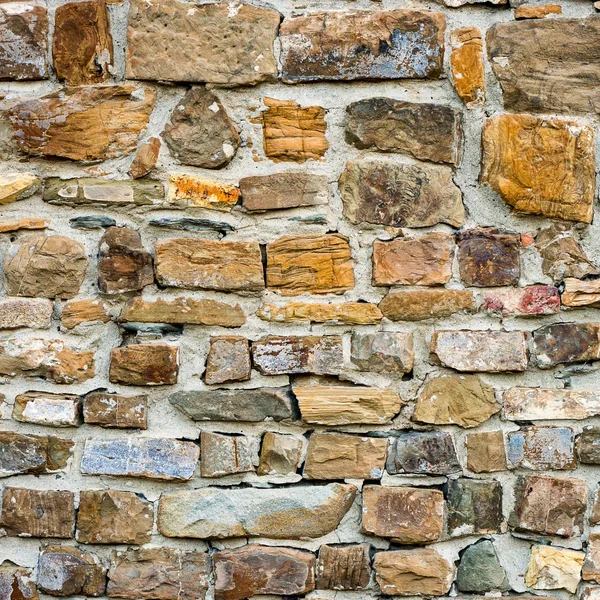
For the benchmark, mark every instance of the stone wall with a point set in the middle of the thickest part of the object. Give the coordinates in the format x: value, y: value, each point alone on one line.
x: 299, y: 299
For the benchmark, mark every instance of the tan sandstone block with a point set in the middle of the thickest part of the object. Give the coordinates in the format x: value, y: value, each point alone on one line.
x: 76, y: 312
x: 554, y: 568
x: 418, y: 305
x: 466, y: 63
x: 188, y: 191
x: 351, y: 313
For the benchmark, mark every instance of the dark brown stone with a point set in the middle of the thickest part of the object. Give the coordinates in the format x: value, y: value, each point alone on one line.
x: 115, y: 410
x: 588, y: 446
x: 566, y: 343
x: 144, y: 364
x: 344, y: 567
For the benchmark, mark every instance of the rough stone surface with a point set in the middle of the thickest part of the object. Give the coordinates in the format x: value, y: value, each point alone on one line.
x: 554, y: 568
x: 17, y: 186
x: 343, y: 567
x: 580, y: 293
x: 383, y: 352
x: 22, y: 224
x: 25, y: 312
x: 426, y: 453
x: 227, y: 454
x: 228, y: 360
x: 591, y: 565
x: 16, y: 583
x: 187, y: 191
x: 486, y: 452
x: 566, y: 343
x: 533, y: 300
x: 418, y: 305
x: 144, y: 364
x: 115, y: 410
x: 542, y: 448
x: 47, y: 408
x: 537, y: 12
x: 350, y: 313
x: 537, y: 404
x: 480, y: 571
x: 466, y: 63
x: 76, y: 312
x: 279, y: 454
x: 145, y: 158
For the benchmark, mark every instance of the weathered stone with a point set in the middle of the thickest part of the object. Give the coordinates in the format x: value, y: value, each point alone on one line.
x: 547, y: 66
x: 535, y: 404
x: 362, y: 44
x: 83, y: 123
x: 566, y: 343
x: 408, y: 515
x: 140, y: 457
x: 158, y: 573
x: 554, y: 568
x: 591, y: 592
x: 466, y: 63
x: 591, y: 564
x: 318, y: 264
x: 25, y: 312
x: 23, y: 41
x: 474, y: 506
x: 581, y: 293
x: 487, y: 351
x: 115, y: 410
x: 486, y: 452
x: 462, y: 400
x: 45, y: 266
x: 192, y: 224
x: 342, y: 405
x: 426, y: 453
x: 68, y: 571
x: 144, y: 364
x: 16, y: 583
x: 343, y: 567
x: 20, y: 224
x: 89, y: 222
x: 188, y: 191
x: 279, y: 454
x: 145, y: 158
x: 297, y: 355
x: 252, y: 405
x: 254, y: 570
x: 489, y: 257
x: 458, y: 3
x: 542, y: 448
x: 17, y: 186
x: 418, y: 305
x: 595, y: 514
x: 46, y: 408
x: 33, y: 453
x: 279, y: 513
x: 293, y: 133
x: 82, y: 46
x: 351, y: 313
x: 588, y: 446
x: 102, y: 192
x: 532, y: 300
x: 383, y: 352
x: 76, y: 312
x: 386, y: 192
x: 277, y: 191
x: 541, y: 166
x: 480, y: 570
x: 199, y: 132
x: 425, y: 260
x: 537, y: 12
x: 392, y: 125
x: 49, y: 359
x: 227, y: 49
x: 227, y: 454
x: 38, y: 513
x: 228, y: 360
x: 208, y: 264
x: 549, y: 505
x: 420, y: 572
x: 331, y: 455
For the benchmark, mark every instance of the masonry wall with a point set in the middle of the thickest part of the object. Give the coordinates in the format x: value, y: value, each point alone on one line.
x: 299, y: 299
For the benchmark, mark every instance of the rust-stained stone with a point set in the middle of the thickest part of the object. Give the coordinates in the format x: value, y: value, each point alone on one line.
x: 76, y: 312
x: 17, y: 186
x: 83, y: 123
x: 145, y: 158
x: 466, y: 63
x: 45, y: 266
x: 351, y: 313
x: 227, y: 454
x: 279, y: 454
x: 362, y: 44
x: 68, y: 571
x: 227, y: 48
x: 588, y: 448
x: 419, y: 572
x: 115, y: 410
x: 208, y: 264
x: 16, y: 583
x: 188, y: 191
x: 489, y: 257
x: 383, y: 352
x: 591, y: 564
x: 344, y: 567
x: 297, y: 355
x: 485, y: 351
x: 144, y: 364
x: 293, y: 133
x: 578, y: 292
x: 158, y: 574
x: 332, y: 454
x: 532, y: 300
x: 341, y: 405
x: 278, y: 191
x: 19, y: 224
x: 407, y: 194
x: 549, y: 505
x: 486, y: 452
x: 25, y: 312
x: 542, y: 448
x: 113, y: 517
x: 425, y: 131
x: 23, y: 41
x: 535, y: 404
x: 82, y: 46
x: 422, y: 453
x: 566, y: 343
x: 595, y: 514
x: 537, y: 12
x: 48, y: 408
x: 200, y: 132
x: 425, y: 260
x: 552, y: 568
x: 407, y: 515
x: 541, y: 166
x: 418, y: 305
x: 228, y: 360
x: 183, y: 310
x: 38, y: 513
x: 319, y: 264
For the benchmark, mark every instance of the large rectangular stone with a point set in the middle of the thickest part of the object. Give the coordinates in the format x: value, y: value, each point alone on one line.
x: 115, y: 410
x: 350, y: 313
x: 536, y: 404
x: 25, y: 312
x: 46, y: 408
x: 566, y: 343
x: 542, y: 448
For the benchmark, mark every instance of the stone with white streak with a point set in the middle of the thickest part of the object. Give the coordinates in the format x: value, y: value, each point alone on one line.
x: 45, y: 408
x: 537, y: 404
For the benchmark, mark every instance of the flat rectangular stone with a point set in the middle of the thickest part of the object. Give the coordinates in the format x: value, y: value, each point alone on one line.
x: 153, y: 458
x: 532, y: 300
x: 578, y: 292
x: 566, y: 343
x: 8, y: 226
x: 222, y: 455
x: 418, y: 305
x: 542, y: 448
x: 115, y: 410
x: 350, y: 313
x: 76, y: 312
x: 424, y: 453
x: 144, y: 364
x: 25, y: 312
x: 536, y: 404
x: 46, y: 408
x: 486, y: 452
x: 187, y: 191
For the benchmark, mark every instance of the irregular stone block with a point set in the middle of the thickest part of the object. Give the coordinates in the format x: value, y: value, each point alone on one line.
x: 344, y: 405
x: 418, y: 305
x: 591, y: 565
x: 145, y: 158
x: 407, y: 515
x: 45, y: 266
x: 227, y: 454
x: 140, y: 457
x: 89, y: 222
x: 535, y: 404
x: 532, y: 300
x: 16, y: 583
x: 362, y: 44
x: 480, y: 571
x: 21, y: 224
x: 254, y: 570
x: 427, y: 453
x: 566, y: 343
x: 38, y: 513
x: 383, y: 352
x: 228, y: 360
x: 351, y: 313
x: 331, y: 455
x: 17, y: 186
x: 188, y: 191
x: 344, y: 567
x: 33, y: 453
x: 318, y: 264
x: 486, y: 452
x: 588, y: 446
x: 554, y: 568
x: 542, y: 448
x: 279, y: 513
x: 158, y: 36
x: 25, y: 312
x: 83, y: 123
x: 279, y: 454
x: 386, y: 192
x: 76, y: 312
x: 537, y: 12
x: 47, y: 408
x: 115, y: 410
x: 485, y: 351
x: 581, y: 293
x: 144, y: 364
x: 466, y: 64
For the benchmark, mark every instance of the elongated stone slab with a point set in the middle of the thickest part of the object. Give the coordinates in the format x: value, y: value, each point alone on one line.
x: 46, y: 408
x: 566, y: 343
x: 351, y: 313
x: 25, y: 312
x: 535, y: 404
x: 418, y: 305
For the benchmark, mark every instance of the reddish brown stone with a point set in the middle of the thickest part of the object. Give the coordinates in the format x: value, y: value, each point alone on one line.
x: 145, y: 158
x: 144, y: 364
x: 344, y: 567
x: 115, y: 410
x: 566, y: 343
x: 466, y: 62
x: 16, y: 583
x: 531, y: 300
x: 228, y: 360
